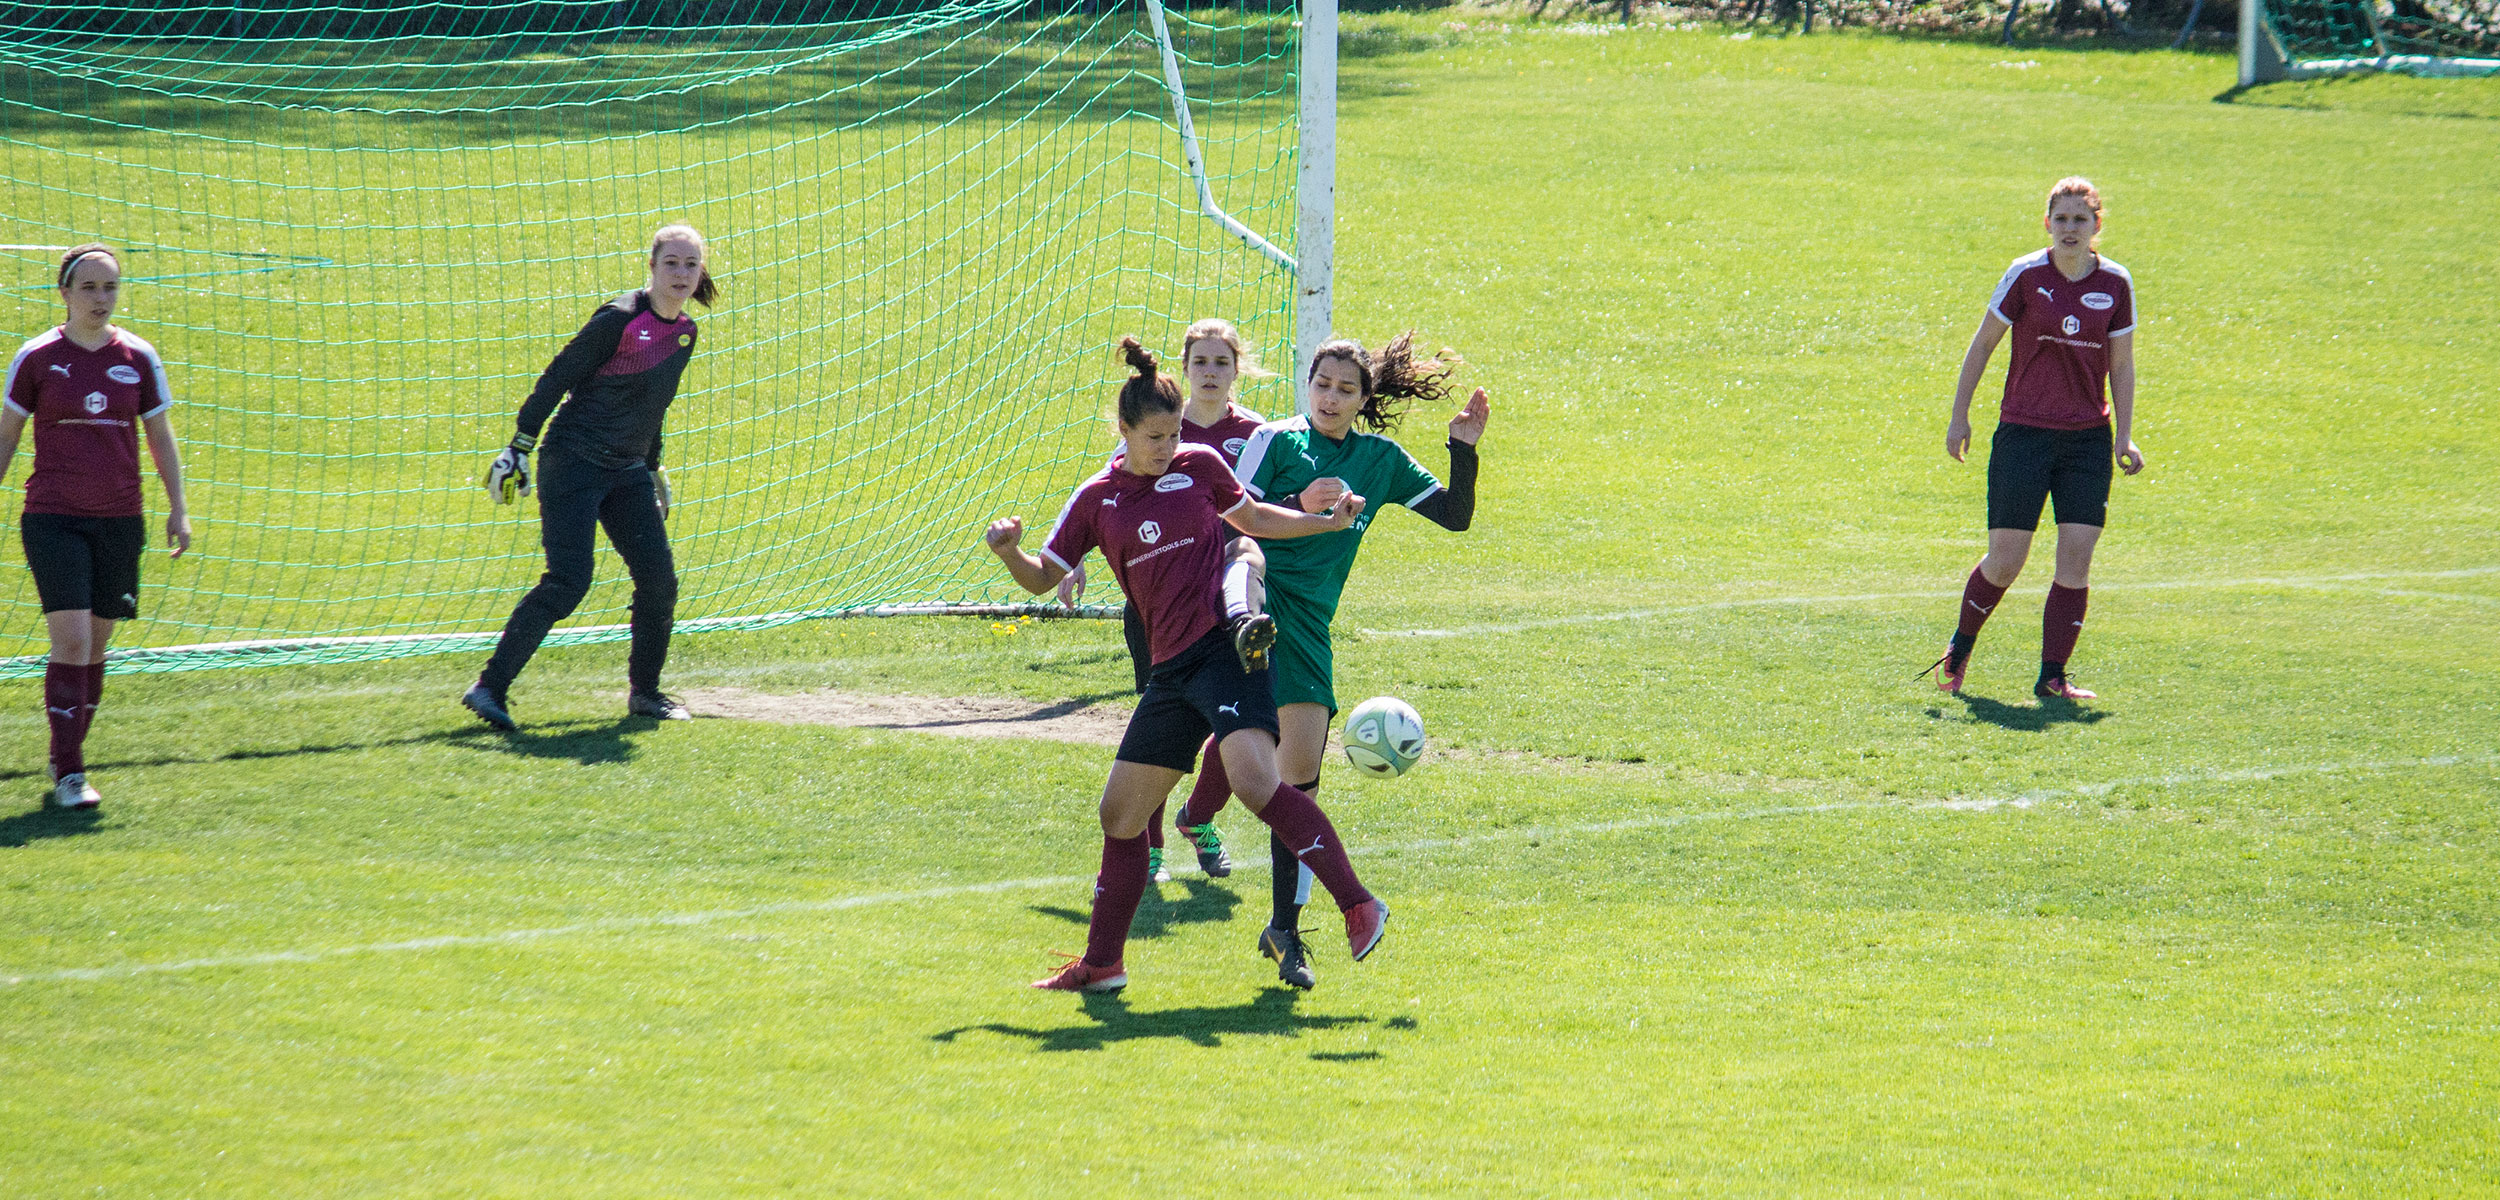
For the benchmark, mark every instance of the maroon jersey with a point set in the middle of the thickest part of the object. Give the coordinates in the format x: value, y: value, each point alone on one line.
x: 86, y: 406
x: 1228, y: 435
x: 2061, y: 332
x: 1164, y: 537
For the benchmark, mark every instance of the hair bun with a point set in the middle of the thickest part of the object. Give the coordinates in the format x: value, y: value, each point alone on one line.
x: 1139, y: 357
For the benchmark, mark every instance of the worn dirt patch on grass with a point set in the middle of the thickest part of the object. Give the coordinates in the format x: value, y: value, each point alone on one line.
x: 957, y: 716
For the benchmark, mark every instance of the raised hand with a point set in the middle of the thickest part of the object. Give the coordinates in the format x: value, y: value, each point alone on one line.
x: 1468, y: 425
x: 1005, y: 534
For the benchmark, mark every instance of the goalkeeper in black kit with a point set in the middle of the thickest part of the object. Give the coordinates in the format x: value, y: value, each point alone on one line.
x: 599, y: 465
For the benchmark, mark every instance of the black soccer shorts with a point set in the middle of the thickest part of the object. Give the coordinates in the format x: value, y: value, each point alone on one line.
x: 2029, y: 466
x: 1201, y: 690
x: 85, y: 562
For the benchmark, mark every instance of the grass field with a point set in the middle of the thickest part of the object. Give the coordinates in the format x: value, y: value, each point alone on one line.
x: 1700, y: 894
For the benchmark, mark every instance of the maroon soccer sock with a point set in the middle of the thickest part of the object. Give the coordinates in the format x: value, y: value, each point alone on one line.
x: 64, y: 698
x: 95, y: 696
x: 1307, y: 832
x: 2061, y: 622
x: 1979, y: 598
x: 1117, y: 891
x: 1154, y: 827
x: 1214, y: 788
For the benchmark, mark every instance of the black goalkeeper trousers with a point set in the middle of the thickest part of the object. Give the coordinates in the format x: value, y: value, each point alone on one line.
x: 574, y: 497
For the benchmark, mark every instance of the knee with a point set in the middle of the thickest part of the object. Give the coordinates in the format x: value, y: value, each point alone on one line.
x: 658, y: 588
x: 561, y: 592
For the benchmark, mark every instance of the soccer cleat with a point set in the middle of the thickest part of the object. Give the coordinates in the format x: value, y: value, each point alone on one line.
x: 73, y: 792
x: 1949, y: 670
x: 1293, y: 965
x: 2055, y: 687
x: 1253, y: 637
x: 1365, y: 924
x: 1154, y: 865
x: 488, y: 706
x: 1082, y: 976
x: 659, y: 706
x: 1210, y: 846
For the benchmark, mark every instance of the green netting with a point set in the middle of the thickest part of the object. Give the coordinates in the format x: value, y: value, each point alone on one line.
x: 357, y: 231
x: 2446, y: 37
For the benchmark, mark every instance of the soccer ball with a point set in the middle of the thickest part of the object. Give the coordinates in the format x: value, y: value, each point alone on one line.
x: 1383, y: 737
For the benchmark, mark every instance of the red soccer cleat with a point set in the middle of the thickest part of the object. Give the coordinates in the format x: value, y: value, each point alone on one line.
x: 1949, y: 670
x: 1082, y: 976
x: 2056, y: 688
x: 1365, y: 923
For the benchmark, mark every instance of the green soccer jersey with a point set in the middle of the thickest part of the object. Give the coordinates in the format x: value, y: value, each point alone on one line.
x: 1284, y: 457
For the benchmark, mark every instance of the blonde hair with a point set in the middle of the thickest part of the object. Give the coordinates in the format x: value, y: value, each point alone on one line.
x: 2077, y: 185
x: 1245, y: 356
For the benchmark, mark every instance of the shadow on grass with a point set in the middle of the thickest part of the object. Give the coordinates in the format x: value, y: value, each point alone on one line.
x: 46, y: 823
x: 2028, y: 718
x: 1205, y: 904
x: 585, y: 742
x: 1270, y: 1014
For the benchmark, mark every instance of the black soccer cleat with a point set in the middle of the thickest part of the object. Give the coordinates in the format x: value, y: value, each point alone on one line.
x: 657, y: 705
x: 488, y: 706
x: 1253, y: 637
x: 1292, y: 965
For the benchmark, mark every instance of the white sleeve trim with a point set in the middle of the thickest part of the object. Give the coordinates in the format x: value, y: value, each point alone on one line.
x: 1054, y: 559
x: 1245, y: 499
x: 156, y: 363
x: 1423, y: 495
x: 2005, y: 283
x: 1252, y: 454
x: 8, y: 387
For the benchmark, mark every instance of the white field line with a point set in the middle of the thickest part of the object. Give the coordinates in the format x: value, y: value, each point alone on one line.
x: 2025, y: 800
x: 2332, y: 582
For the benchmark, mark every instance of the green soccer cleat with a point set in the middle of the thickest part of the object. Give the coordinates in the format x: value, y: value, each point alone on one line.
x: 1210, y: 845
x: 1155, y: 869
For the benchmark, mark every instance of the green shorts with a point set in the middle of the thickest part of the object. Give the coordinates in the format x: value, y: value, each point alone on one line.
x: 1304, y: 665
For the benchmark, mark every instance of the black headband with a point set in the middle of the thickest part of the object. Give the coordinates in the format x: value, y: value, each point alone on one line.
x: 71, y: 264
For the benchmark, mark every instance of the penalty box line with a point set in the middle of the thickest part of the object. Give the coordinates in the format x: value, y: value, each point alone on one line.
x: 2331, y: 582
x: 2024, y: 800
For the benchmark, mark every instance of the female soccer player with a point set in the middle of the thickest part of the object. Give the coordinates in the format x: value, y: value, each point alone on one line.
x: 1214, y: 358
x: 88, y: 387
x: 1159, y: 513
x: 2073, y: 316
x: 602, y: 468
x: 1303, y: 460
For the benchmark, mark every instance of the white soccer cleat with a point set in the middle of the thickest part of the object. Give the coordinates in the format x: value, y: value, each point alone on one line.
x: 73, y: 792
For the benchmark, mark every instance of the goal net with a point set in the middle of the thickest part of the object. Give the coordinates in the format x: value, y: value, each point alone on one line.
x: 357, y: 230
x: 2286, y: 39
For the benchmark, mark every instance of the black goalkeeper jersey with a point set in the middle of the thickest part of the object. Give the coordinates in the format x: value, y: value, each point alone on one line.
x: 622, y: 372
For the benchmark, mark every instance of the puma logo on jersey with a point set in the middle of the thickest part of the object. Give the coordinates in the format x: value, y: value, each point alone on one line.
x: 1234, y: 710
x: 1306, y: 457
x: 1111, y: 502
x: 2046, y: 294
x: 63, y: 368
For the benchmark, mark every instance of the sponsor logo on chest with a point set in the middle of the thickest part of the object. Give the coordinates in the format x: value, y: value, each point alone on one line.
x: 1149, y: 532
x: 2099, y: 301
x: 96, y: 402
x: 1234, y: 446
x: 122, y: 373
x: 1173, y: 482
x: 2072, y: 325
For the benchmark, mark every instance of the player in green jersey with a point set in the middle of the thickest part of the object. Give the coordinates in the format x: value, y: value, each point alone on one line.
x: 1314, y: 459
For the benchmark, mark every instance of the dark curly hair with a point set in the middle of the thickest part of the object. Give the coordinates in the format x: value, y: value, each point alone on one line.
x: 1145, y: 393
x: 1394, y: 380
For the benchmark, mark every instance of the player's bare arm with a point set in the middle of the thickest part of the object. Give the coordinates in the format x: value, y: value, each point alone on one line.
x: 2122, y: 402
x: 1005, y: 538
x: 1263, y: 520
x: 168, y: 456
x: 1983, y: 344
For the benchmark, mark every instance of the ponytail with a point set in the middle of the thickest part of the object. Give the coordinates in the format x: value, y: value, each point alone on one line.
x: 1145, y: 393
